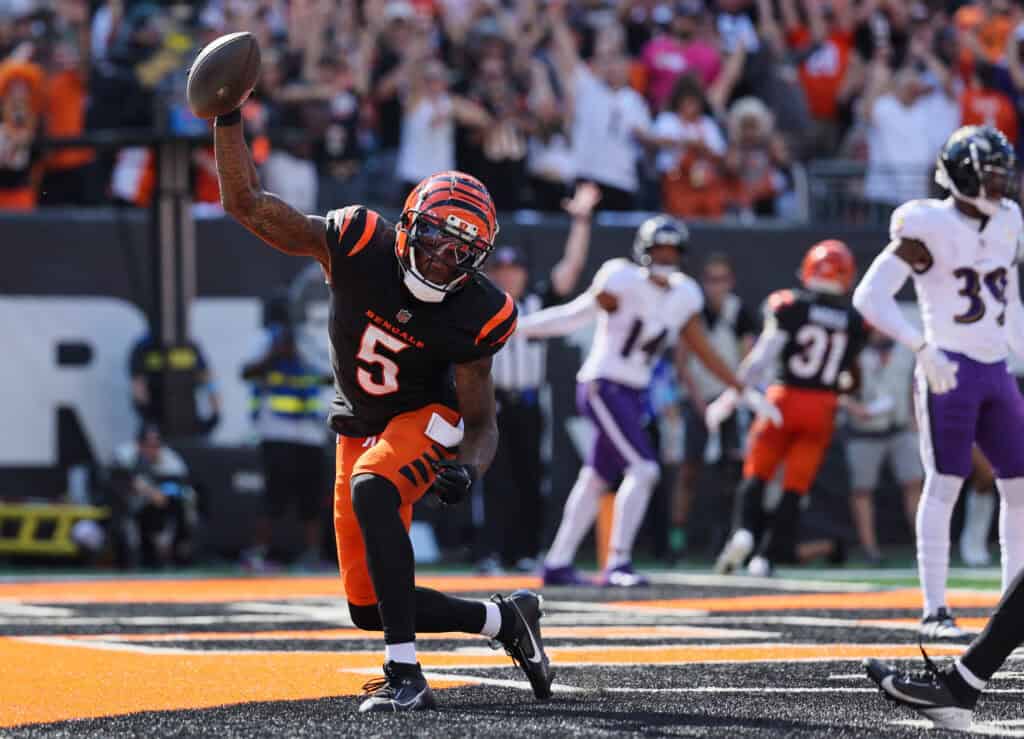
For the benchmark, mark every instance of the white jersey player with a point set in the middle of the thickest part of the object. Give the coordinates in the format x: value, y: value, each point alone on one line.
x: 962, y: 253
x: 641, y: 308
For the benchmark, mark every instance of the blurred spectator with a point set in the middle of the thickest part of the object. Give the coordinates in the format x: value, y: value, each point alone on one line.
x: 731, y: 329
x: 752, y: 26
x: 757, y: 160
x: 680, y: 49
x: 67, y: 178
x: 984, y: 103
x: 430, y: 111
x: 607, y: 115
x: 153, y: 367
x: 154, y: 507
x: 549, y: 159
x: 498, y: 150
x: 882, y: 430
x: 22, y: 103
x: 691, y: 151
x: 822, y: 41
x: 512, y: 490
x: 908, y: 115
x: 288, y: 417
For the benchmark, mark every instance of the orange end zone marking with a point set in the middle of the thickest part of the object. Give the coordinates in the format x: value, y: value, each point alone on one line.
x: 225, y: 590
x: 56, y: 683
x: 885, y: 600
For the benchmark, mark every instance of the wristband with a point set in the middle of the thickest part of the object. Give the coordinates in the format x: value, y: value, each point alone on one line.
x: 230, y: 119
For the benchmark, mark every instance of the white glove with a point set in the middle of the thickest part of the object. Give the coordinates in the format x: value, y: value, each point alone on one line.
x: 720, y: 409
x: 762, y: 407
x: 939, y: 370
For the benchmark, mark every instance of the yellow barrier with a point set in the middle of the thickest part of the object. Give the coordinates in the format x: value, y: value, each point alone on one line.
x: 22, y: 523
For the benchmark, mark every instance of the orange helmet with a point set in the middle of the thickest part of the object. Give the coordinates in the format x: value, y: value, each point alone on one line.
x: 828, y: 267
x: 449, y: 217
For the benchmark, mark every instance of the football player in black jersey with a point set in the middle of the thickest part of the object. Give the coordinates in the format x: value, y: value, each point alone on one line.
x: 413, y: 326
x: 816, y: 334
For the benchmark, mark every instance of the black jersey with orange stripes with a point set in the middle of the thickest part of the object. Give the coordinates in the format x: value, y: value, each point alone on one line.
x: 391, y: 352
x: 825, y: 335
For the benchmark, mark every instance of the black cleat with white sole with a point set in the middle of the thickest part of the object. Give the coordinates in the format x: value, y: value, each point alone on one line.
x: 520, y: 636
x: 403, y: 688
x: 928, y: 692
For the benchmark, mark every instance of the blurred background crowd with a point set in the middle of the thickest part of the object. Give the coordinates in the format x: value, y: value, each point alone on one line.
x: 796, y: 109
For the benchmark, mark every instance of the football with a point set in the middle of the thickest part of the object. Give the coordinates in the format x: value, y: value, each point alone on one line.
x: 223, y: 75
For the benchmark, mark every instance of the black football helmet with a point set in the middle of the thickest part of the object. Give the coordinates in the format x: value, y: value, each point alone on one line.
x: 659, y: 231
x: 977, y: 165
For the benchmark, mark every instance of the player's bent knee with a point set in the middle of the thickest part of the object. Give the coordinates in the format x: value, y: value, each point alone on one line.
x: 944, y: 488
x: 374, y: 497
x: 644, y: 471
x: 366, y: 618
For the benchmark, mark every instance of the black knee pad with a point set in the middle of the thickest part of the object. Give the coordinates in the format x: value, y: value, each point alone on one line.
x: 374, y: 497
x: 366, y: 618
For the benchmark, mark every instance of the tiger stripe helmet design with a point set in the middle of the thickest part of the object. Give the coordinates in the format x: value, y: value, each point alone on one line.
x: 828, y: 267
x: 450, y: 217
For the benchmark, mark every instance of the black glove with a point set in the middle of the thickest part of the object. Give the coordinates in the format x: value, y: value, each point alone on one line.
x: 453, y: 481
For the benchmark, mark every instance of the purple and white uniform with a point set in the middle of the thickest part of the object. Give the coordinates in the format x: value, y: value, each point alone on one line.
x: 969, y: 299
x: 614, y: 378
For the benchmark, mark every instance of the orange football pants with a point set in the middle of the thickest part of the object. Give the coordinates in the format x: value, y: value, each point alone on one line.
x: 399, y: 454
x: 808, y: 420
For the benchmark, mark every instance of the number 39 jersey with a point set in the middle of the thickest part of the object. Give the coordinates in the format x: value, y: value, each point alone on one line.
x: 824, y: 336
x: 628, y: 341
x: 962, y: 291
x: 392, y: 353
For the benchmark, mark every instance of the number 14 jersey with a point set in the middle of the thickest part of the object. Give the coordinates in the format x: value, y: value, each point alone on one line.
x: 962, y: 291
x: 628, y: 341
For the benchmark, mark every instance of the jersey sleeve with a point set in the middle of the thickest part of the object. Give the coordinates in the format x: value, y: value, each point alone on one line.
x: 612, y: 278
x: 912, y: 220
x: 350, y: 229
x: 498, y: 325
x: 785, y: 310
x: 689, y: 300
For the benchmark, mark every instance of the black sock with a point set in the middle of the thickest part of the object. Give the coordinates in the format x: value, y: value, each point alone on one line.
x: 437, y: 612
x: 779, y: 544
x: 389, y: 555
x: 1003, y: 634
x: 959, y: 687
x: 751, y: 501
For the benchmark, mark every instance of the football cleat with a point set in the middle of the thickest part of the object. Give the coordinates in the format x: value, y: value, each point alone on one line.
x: 927, y: 692
x: 940, y: 625
x: 623, y: 576
x: 567, y: 575
x: 403, y: 688
x: 523, y: 641
x: 735, y: 553
x: 760, y: 567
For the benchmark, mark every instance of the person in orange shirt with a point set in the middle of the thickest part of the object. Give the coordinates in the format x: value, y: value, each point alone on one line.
x: 21, y: 105
x: 983, y: 103
x: 67, y: 171
x: 823, y: 46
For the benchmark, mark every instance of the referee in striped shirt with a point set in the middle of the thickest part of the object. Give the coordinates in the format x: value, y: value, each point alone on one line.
x: 513, y: 518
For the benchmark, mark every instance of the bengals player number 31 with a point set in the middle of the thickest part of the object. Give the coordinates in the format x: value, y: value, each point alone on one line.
x: 413, y: 326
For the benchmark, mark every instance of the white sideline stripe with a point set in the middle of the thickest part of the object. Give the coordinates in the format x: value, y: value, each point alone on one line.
x: 498, y: 682
x: 160, y: 620
x: 610, y: 427
x: 981, y: 728
x: 744, y: 581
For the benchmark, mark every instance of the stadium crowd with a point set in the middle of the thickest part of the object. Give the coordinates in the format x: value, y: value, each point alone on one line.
x: 702, y: 108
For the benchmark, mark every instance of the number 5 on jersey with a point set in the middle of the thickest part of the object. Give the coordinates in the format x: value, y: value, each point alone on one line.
x: 380, y: 377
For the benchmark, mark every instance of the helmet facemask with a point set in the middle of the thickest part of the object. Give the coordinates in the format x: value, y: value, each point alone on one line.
x: 441, y: 255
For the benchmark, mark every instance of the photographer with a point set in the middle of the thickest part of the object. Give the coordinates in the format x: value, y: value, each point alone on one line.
x: 154, y: 506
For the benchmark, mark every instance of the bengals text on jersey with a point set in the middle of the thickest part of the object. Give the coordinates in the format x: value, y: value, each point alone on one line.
x: 392, y: 353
